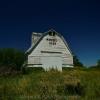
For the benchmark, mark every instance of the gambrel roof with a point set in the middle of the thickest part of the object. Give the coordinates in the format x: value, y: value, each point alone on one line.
x: 44, y: 34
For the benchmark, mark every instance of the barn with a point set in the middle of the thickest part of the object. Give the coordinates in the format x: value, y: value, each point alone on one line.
x: 49, y: 50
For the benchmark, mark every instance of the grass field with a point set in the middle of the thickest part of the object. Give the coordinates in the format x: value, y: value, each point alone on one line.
x: 71, y: 84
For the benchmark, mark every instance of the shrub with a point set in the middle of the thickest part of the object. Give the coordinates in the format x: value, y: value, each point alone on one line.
x: 11, y: 59
x: 77, y: 62
x: 71, y: 89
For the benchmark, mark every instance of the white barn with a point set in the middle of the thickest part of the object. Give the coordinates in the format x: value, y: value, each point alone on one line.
x: 49, y: 50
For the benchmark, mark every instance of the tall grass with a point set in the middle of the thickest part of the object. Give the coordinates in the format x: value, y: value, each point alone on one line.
x: 71, y: 84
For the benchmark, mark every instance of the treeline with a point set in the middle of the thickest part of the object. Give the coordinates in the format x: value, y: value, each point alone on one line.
x: 97, y: 66
x: 79, y: 64
x: 11, y: 60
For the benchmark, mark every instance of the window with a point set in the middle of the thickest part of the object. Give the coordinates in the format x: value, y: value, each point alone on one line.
x: 52, y: 33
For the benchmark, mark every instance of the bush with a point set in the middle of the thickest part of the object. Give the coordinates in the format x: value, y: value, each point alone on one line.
x: 77, y: 62
x: 71, y: 89
x: 11, y: 59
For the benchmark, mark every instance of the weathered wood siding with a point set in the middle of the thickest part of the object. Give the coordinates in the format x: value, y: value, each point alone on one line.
x: 54, y: 47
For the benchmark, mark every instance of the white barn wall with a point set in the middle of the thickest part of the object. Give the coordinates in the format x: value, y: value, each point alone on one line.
x: 35, y: 58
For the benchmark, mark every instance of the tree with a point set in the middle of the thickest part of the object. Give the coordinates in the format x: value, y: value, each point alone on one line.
x: 76, y: 62
x: 11, y: 58
x: 98, y: 63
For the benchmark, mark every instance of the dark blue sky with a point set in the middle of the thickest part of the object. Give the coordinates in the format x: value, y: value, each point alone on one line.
x: 77, y: 20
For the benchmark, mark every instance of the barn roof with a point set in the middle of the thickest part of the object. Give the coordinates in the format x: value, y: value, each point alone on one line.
x: 44, y: 34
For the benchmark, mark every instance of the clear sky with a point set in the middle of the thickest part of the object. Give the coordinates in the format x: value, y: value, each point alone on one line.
x: 77, y: 20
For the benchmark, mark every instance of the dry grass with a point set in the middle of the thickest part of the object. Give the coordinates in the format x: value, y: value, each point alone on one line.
x: 75, y: 84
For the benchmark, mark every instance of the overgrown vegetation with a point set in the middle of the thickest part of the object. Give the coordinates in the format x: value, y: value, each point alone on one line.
x: 71, y: 84
x: 78, y: 83
x: 76, y: 62
x: 11, y: 60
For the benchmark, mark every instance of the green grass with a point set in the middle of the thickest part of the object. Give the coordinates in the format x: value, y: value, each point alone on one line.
x: 71, y: 84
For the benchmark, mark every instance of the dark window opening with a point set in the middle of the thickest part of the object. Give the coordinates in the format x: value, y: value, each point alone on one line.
x: 52, y: 33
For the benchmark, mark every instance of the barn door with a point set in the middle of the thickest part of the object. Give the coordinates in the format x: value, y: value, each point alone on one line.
x: 52, y: 62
